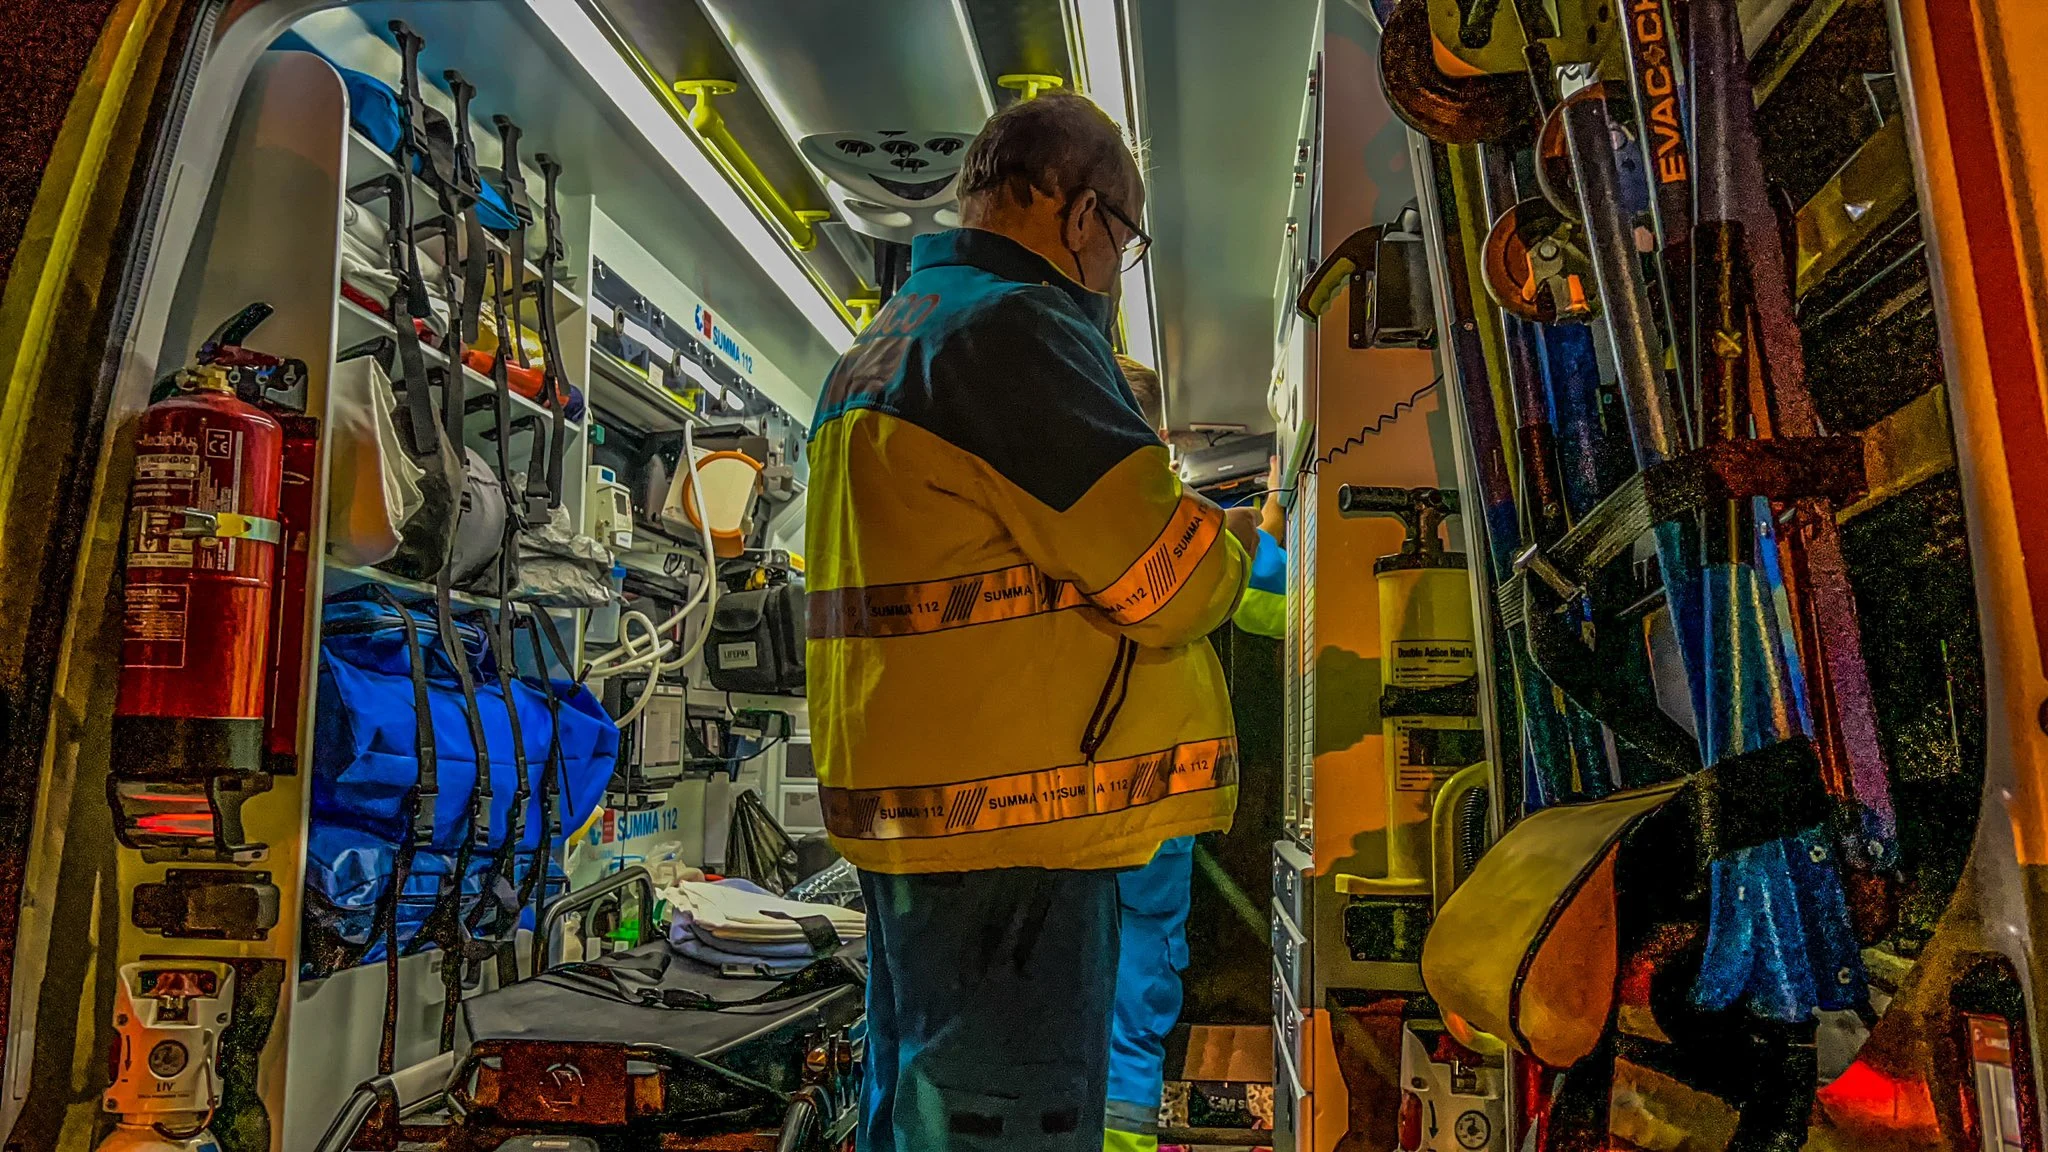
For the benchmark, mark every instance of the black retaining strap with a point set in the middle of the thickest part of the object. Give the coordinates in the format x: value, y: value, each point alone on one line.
x: 523, y: 509
x: 411, y: 150
x: 514, y: 188
x: 444, y: 924
x: 1758, y: 796
x: 418, y: 810
x: 1781, y: 468
x: 468, y: 188
x: 503, y: 867
x: 554, y: 387
x: 517, y: 516
x: 408, y: 302
x: 533, y: 890
x: 496, y: 915
x: 1627, y: 707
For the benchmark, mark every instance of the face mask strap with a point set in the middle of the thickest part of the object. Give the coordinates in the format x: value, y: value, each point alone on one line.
x: 1080, y: 269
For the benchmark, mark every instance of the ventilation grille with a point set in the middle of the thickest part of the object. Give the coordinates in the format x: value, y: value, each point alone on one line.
x: 898, y: 152
x: 919, y: 191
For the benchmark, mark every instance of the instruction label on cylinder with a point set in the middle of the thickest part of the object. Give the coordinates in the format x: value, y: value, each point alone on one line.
x: 153, y: 624
x: 1429, y: 749
x: 1432, y: 663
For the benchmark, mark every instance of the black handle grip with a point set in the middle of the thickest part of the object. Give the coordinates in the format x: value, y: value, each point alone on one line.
x: 508, y: 136
x: 236, y: 329
x: 1377, y: 500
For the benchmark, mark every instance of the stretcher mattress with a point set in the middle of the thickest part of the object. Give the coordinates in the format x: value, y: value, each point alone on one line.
x: 653, y: 997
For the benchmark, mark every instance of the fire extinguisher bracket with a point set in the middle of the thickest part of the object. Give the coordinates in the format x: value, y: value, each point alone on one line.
x: 187, y: 821
x: 201, y: 524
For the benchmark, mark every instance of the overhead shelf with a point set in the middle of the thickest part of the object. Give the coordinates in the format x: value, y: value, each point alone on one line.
x: 366, y: 160
x: 358, y: 324
x: 344, y: 577
x: 626, y: 392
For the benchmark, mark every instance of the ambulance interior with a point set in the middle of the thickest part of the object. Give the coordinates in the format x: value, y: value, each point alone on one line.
x: 1388, y: 290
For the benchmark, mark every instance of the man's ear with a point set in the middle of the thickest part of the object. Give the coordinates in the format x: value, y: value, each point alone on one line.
x: 1074, y: 220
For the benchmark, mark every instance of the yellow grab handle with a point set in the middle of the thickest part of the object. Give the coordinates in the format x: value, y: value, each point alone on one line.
x: 1443, y: 823
x: 1351, y: 885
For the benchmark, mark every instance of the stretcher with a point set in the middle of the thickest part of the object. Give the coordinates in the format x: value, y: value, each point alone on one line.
x: 643, y: 1049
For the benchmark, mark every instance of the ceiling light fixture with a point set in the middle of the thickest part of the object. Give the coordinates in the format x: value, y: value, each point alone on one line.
x: 656, y: 122
x: 1104, y: 48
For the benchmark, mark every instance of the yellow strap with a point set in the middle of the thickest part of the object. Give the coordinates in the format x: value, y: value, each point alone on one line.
x: 1026, y: 798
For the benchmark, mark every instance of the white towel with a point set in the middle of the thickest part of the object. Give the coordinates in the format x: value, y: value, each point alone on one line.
x: 739, y: 915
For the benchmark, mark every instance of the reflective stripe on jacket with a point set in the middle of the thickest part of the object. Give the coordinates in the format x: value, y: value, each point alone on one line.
x: 1009, y: 587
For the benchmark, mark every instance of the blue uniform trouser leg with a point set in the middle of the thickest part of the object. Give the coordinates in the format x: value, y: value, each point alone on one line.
x: 1153, y: 907
x: 988, y: 1010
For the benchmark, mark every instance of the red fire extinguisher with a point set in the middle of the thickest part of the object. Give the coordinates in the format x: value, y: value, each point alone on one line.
x: 203, y: 561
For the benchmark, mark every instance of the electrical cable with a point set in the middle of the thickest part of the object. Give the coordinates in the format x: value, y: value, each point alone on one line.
x: 628, y: 656
x: 1374, y: 428
x: 1247, y: 498
x: 722, y: 762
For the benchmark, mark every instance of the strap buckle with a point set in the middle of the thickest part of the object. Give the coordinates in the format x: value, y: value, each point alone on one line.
x: 1532, y: 560
x: 201, y: 524
x: 423, y: 818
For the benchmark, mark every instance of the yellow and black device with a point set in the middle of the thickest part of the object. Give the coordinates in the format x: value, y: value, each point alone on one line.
x: 1386, y: 269
x: 1429, y: 716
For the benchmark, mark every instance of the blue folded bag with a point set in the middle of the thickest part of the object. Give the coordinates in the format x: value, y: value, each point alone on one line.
x: 367, y: 762
x: 374, y: 111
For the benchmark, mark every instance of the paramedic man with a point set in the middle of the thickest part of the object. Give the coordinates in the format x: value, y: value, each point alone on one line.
x: 1152, y: 901
x: 1011, y: 697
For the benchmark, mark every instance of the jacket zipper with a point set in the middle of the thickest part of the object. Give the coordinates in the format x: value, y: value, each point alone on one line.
x: 1110, y: 700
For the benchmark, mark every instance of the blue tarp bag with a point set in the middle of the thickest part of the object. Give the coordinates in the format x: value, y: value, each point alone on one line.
x: 367, y: 769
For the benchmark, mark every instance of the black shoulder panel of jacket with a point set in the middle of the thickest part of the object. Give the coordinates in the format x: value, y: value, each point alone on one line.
x: 1010, y: 372
x: 1025, y: 384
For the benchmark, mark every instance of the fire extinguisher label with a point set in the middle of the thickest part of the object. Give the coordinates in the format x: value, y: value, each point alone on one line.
x: 153, y: 626
x: 172, y: 476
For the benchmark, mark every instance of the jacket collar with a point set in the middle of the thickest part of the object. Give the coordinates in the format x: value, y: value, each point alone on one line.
x: 1001, y: 256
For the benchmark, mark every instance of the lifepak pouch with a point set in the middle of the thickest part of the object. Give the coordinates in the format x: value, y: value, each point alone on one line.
x: 757, y: 640
x: 372, y: 108
x: 367, y: 761
x: 1527, y: 948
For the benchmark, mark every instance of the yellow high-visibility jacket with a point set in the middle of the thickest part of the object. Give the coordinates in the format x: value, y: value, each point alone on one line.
x: 1009, y: 589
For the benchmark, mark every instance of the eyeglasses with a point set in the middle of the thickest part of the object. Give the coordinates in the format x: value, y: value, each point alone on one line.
x: 1139, y: 243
